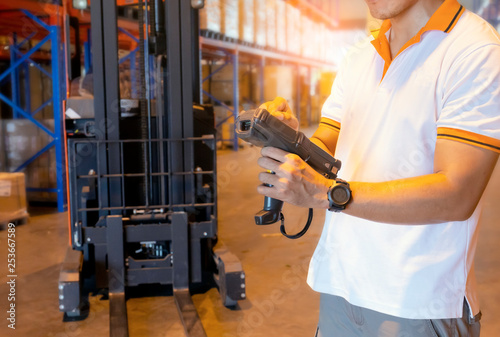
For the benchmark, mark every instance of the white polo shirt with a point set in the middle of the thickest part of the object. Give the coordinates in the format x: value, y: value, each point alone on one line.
x: 443, y: 84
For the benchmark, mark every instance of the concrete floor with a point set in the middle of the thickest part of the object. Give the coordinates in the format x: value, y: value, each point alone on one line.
x: 279, y: 302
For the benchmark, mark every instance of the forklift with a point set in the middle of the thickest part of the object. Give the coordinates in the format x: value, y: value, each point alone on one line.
x: 141, y: 172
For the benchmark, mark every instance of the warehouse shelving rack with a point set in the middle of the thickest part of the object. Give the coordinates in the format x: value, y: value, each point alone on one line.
x: 19, y: 60
x: 215, y: 45
x: 233, y: 52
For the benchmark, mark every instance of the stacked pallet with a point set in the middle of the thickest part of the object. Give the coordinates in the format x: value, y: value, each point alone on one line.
x: 12, y: 197
x: 21, y: 139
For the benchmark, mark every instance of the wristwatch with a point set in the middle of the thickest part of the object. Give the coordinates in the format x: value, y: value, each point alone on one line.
x: 339, y: 195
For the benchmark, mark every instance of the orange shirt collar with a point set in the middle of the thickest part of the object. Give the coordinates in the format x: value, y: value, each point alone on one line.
x: 443, y: 19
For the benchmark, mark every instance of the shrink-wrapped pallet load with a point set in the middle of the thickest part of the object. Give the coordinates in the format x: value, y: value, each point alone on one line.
x: 229, y: 18
x: 210, y: 16
x: 292, y: 29
x: 306, y: 35
x: 246, y: 21
x: 260, y: 22
x: 271, y: 19
x: 281, y: 20
x: 297, y: 46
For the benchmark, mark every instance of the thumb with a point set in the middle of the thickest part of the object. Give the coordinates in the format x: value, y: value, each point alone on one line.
x: 282, y: 107
x: 280, y: 104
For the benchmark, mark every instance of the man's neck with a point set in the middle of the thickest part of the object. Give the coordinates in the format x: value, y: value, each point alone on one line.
x: 408, y: 23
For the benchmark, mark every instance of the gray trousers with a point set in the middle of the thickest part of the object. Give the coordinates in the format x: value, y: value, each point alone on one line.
x: 339, y: 318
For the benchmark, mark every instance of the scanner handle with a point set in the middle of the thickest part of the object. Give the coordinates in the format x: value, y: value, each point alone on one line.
x: 270, y: 213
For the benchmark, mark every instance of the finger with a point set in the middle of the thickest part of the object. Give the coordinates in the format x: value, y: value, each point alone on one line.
x: 269, y: 178
x: 280, y: 103
x: 268, y: 191
x: 268, y: 163
x: 283, y: 106
x: 274, y: 153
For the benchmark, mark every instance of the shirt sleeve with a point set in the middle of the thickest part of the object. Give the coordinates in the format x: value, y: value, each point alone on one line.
x: 331, y: 112
x: 470, y: 110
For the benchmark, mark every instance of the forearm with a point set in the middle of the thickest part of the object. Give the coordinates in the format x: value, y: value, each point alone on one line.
x: 450, y: 194
x: 420, y: 200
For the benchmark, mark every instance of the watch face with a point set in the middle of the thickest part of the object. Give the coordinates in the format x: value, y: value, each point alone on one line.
x: 340, y: 195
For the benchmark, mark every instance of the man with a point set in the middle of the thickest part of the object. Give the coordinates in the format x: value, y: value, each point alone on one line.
x: 414, y: 116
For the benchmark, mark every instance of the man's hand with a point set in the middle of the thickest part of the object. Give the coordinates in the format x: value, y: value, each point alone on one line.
x: 280, y: 109
x: 294, y: 180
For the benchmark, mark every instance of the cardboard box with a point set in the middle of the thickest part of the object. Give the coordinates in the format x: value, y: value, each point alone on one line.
x: 316, y: 106
x: 205, y: 71
x: 23, y: 139
x: 12, y: 197
x: 3, y: 151
x: 222, y: 90
x: 225, y: 131
x: 221, y: 84
x: 83, y: 106
x: 245, y: 84
x: 278, y: 81
x: 210, y: 16
x: 305, y: 92
x: 246, y: 21
x: 229, y: 18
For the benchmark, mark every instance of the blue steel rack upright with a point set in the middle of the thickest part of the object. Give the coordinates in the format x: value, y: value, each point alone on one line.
x: 18, y: 60
x: 233, y: 60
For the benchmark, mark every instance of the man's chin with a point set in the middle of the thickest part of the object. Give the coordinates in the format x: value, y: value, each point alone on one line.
x: 378, y: 15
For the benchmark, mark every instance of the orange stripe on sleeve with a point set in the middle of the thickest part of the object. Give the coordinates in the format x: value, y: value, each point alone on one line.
x: 330, y: 123
x: 469, y: 138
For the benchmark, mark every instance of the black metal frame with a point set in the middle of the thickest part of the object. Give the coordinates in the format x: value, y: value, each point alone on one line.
x: 178, y: 217
x: 93, y: 148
